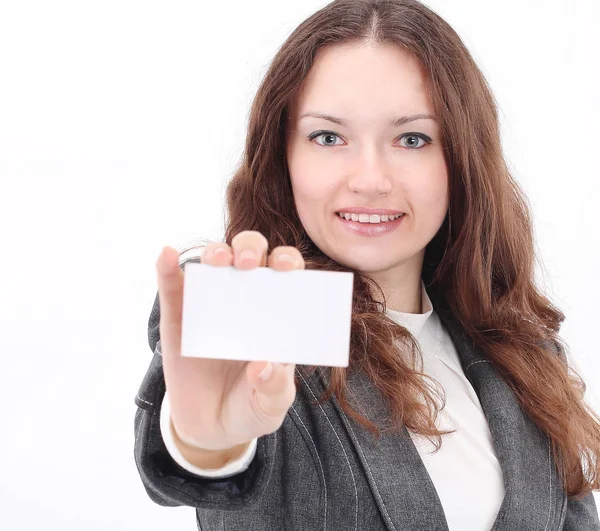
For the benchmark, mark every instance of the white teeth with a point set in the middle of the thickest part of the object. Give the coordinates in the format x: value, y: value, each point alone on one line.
x: 366, y: 218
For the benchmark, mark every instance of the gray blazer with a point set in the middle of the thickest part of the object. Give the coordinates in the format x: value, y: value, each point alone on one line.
x: 323, y: 471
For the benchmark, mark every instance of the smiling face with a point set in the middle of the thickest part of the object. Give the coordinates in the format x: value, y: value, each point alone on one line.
x: 365, y: 160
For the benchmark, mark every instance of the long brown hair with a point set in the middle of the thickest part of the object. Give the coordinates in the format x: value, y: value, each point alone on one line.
x: 481, y: 260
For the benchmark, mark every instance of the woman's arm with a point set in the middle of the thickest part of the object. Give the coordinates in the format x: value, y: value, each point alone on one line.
x: 165, y: 481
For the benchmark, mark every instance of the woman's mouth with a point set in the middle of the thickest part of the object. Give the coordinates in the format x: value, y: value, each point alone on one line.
x: 370, y: 225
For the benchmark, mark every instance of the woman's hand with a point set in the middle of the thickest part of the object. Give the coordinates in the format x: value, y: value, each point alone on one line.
x: 219, y: 404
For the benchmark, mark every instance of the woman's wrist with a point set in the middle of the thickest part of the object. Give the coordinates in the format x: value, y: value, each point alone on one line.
x: 207, y: 459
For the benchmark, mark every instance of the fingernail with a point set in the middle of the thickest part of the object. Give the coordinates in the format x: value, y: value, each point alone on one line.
x: 207, y: 253
x: 248, y: 254
x: 287, y: 258
x: 266, y: 372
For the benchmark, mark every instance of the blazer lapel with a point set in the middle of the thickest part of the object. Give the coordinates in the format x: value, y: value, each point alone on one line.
x: 534, y: 497
x: 401, y: 485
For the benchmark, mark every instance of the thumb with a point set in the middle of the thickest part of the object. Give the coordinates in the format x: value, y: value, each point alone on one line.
x: 274, y: 385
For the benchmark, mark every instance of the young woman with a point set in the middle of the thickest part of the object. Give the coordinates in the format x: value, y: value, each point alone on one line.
x: 374, y: 147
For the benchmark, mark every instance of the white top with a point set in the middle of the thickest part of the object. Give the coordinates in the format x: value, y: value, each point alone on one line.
x: 465, y: 471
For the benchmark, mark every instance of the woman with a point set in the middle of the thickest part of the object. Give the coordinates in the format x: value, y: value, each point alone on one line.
x: 373, y: 147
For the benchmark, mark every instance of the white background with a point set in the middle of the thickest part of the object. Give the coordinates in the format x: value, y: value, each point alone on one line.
x: 120, y: 123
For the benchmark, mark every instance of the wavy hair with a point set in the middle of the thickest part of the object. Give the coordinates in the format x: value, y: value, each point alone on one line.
x: 481, y: 260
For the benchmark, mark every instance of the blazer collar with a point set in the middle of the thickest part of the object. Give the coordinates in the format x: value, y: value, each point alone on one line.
x: 400, y: 482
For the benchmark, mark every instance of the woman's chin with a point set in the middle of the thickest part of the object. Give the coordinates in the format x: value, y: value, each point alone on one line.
x: 367, y: 266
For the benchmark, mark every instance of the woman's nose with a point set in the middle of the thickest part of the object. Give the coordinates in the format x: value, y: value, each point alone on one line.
x: 371, y: 175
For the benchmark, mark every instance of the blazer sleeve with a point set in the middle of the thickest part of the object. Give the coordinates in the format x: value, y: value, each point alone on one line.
x: 167, y: 483
x: 582, y: 515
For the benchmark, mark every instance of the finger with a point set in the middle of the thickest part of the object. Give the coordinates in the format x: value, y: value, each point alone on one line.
x: 217, y: 254
x: 170, y: 292
x: 286, y: 258
x: 249, y: 249
x: 273, y: 393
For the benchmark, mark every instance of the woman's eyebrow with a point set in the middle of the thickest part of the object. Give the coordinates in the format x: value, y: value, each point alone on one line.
x: 396, y: 122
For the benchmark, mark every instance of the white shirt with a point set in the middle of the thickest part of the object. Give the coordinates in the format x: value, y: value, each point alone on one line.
x: 465, y: 471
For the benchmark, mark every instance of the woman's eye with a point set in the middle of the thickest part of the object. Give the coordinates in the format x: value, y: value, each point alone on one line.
x: 408, y: 140
x: 413, y: 141
x: 328, y: 138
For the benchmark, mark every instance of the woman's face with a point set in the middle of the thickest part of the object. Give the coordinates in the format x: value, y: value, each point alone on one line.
x: 367, y: 161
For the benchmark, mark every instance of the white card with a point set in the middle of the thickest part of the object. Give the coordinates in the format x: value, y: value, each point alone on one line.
x: 300, y: 316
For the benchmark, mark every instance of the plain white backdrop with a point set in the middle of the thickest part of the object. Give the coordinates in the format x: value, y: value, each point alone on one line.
x: 120, y: 124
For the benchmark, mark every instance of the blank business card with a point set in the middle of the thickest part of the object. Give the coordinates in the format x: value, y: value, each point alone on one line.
x: 299, y: 316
